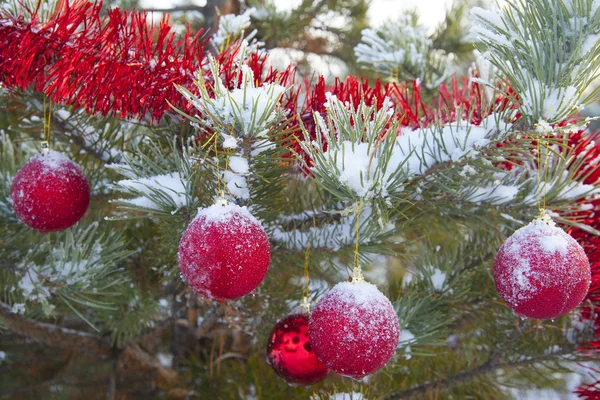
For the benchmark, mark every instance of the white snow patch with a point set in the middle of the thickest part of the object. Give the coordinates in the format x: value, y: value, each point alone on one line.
x: 406, y: 339
x: 154, y: 190
x: 438, y: 279
x: 239, y: 165
x: 223, y: 213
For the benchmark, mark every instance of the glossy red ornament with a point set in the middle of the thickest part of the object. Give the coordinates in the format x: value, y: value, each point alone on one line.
x: 224, y: 253
x: 542, y: 272
x: 50, y: 192
x: 290, y: 354
x: 354, y: 329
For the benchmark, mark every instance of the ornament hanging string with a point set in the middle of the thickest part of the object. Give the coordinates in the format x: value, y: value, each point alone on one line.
x: 541, y: 191
x: 213, y: 139
x: 305, y: 288
x: 47, y: 119
x: 357, y: 272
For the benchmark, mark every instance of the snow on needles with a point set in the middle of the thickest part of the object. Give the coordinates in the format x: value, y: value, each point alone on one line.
x: 155, y: 192
x: 232, y: 25
x: 250, y: 110
x: 548, y: 63
x: 370, y: 167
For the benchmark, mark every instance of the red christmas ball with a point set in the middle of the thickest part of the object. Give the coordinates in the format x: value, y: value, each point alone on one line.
x: 50, y: 192
x: 290, y: 354
x: 354, y: 329
x: 224, y: 253
x: 542, y: 272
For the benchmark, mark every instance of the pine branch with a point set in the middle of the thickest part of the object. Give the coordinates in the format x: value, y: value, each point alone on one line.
x: 491, y: 365
x: 78, y: 140
x: 130, y: 357
x: 54, y: 335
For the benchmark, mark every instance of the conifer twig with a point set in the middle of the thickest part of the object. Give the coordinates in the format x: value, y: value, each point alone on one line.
x: 491, y: 365
x: 130, y: 357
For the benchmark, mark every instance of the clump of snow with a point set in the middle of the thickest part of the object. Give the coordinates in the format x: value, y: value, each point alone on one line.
x: 165, y: 359
x: 53, y: 160
x: 331, y: 236
x: 347, y: 396
x: 236, y: 185
x: 239, y: 165
x: 224, y: 212
x: 18, y: 308
x: 406, y: 339
x: 360, y: 294
x: 420, y: 149
x: 232, y: 26
x: 229, y: 142
x: 154, y: 190
x: 377, y: 51
x: 438, y: 279
x: 339, y: 396
x: 355, y: 167
x: 548, y: 102
x: 497, y: 194
x: 569, y: 189
x: 250, y: 109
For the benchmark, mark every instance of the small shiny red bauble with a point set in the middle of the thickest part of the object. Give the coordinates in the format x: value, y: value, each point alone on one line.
x: 290, y: 354
x: 354, y: 329
x: 224, y: 253
x: 50, y: 192
x: 542, y: 272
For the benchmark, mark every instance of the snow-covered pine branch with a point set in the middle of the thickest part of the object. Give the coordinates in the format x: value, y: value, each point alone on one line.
x: 353, y: 156
x: 362, y: 158
x: 78, y: 268
x: 162, y: 181
x: 247, y: 111
x: 402, y: 49
x: 547, y: 50
x: 241, y: 120
x: 331, y: 235
x: 233, y: 27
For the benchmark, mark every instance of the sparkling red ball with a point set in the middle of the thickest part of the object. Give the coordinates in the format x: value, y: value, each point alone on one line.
x: 354, y: 329
x: 50, y: 192
x: 290, y: 353
x: 541, y: 272
x: 224, y: 253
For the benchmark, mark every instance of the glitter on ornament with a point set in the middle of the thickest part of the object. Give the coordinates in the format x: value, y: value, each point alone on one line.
x: 354, y: 329
x: 290, y: 353
x: 224, y: 253
x: 541, y: 272
x: 50, y: 192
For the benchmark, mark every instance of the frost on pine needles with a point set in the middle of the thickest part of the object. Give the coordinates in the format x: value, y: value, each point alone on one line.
x: 75, y: 268
x: 547, y: 50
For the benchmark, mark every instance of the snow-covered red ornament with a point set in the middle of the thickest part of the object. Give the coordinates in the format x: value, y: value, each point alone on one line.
x: 354, y: 329
x: 542, y: 272
x: 290, y: 353
x: 224, y: 253
x: 50, y: 192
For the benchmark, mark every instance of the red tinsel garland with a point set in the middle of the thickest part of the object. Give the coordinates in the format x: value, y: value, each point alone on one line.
x: 113, y: 65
